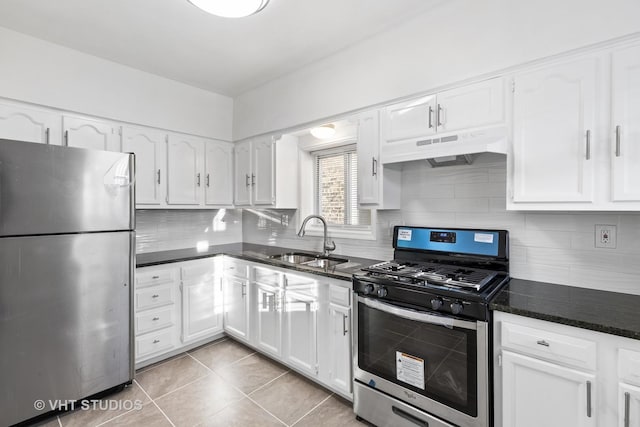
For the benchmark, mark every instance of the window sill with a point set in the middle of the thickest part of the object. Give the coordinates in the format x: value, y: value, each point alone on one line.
x: 356, y: 233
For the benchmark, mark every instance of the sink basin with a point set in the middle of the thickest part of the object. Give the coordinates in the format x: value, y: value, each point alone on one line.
x: 310, y: 260
x: 294, y: 257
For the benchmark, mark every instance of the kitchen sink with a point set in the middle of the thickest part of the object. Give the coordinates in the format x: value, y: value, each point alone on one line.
x: 309, y: 260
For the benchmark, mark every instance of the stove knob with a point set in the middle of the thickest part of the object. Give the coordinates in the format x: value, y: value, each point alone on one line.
x: 457, y: 307
x: 382, y: 292
x: 368, y: 289
x: 436, y: 303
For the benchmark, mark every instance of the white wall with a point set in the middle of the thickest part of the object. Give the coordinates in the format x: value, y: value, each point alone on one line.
x: 456, y: 41
x: 40, y: 72
x: 556, y: 247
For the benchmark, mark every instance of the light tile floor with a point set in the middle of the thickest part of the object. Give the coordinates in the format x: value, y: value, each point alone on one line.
x: 222, y: 383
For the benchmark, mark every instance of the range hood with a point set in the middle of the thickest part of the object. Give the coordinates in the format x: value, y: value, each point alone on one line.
x: 447, y: 149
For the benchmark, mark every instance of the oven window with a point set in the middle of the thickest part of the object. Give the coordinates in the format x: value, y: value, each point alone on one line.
x: 433, y: 360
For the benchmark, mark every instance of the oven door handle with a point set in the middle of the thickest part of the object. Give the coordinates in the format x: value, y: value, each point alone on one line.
x: 406, y: 313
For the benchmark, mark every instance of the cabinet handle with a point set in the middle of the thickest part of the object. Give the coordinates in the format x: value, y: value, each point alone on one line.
x: 543, y: 342
x: 66, y: 138
x: 344, y: 325
x: 430, y: 117
x: 155, y: 296
x: 246, y: 180
x: 158, y: 176
x: 618, y: 141
x: 244, y: 290
x: 156, y: 341
x: 208, y: 180
x: 46, y: 135
x: 155, y: 319
x: 155, y: 277
x: 374, y: 167
x: 198, y: 179
x: 253, y: 179
x: 588, y: 156
x: 589, y: 399
x: 627, y: 398
x: 439, y: 115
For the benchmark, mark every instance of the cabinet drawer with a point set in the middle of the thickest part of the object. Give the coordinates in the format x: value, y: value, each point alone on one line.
x: 266, y: 276
x: 155, y: 319
x: 549, y: 345
x: 629, y: 366
x: 200, y: 270
x: 154, y: 297
x: 155, y: 276
x: 235, y: 268
x: 155, y: 342
x: 340, y: 295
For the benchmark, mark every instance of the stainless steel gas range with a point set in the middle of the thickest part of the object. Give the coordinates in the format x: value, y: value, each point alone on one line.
x: 423, y: 335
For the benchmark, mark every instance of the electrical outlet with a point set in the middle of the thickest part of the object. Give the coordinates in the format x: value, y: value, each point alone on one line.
x: 605, y: 236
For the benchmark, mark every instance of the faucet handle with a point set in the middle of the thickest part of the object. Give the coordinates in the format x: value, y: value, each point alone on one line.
x: 331, y: 246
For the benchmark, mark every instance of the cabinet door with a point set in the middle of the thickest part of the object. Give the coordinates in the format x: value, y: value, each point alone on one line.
x: 300, y: 315
x: 410, y: 119
x: 626, y: 124
x: 368, y: 158
x: 201, y: 309
x: 242, y: 171
x: 30, y: 125
x: 472, y: 106
x: 150, y: 148
x: 90, y: 134
x: 553, y: 141
x: 628, y: 406
x: 236, y: 307
x: 268, y: 320
x: 185, y: 160
x: 262, y: 176
x: 218, y: 170
x: 340, y: 347
x: 537, y: 393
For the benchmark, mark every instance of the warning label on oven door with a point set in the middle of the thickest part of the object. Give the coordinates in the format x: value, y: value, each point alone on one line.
x: 410, y: 369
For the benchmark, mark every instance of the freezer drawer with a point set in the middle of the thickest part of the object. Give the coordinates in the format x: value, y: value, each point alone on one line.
x: 65, y: 318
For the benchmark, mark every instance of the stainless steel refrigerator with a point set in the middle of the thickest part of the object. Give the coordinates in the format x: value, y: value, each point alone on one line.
x: 67, y: 257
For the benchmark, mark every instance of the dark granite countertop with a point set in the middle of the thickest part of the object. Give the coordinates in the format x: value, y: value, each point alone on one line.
x: 601, y: 311
x: 255, y: 253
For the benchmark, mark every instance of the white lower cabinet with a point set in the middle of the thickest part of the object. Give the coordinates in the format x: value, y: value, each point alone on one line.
x: 533, y: 389
x: 176, y: 306
x: 548, y: 374
x: 301, y: 320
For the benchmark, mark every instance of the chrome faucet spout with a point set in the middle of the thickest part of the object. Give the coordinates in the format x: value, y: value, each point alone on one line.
x: 326, y: 246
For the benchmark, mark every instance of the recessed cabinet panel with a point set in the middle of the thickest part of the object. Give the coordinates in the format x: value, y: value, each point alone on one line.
x: 185, y: 170
x: 218, y: 179
x: 268, y: 307
x: 410, y: 119
x: 628, y: 406
x: 300, y: 328
x: 150, y: 148
x: 30, y: 125
x: 625, y: 150
x: 90, y: 134
x: 242, y: 172
x: 263, y: 176
x: 340, y: 347
x: 236, y: 307
x: 555, y: 132
x: 368, y: 158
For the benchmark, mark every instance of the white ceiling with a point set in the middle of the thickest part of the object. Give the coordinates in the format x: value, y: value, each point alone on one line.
x: 172, y: 38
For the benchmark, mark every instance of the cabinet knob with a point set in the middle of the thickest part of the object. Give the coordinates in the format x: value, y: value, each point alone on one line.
x: 155, y: 296
x: 155, y: 277
x: 156, y: 341
x: 155, y: 319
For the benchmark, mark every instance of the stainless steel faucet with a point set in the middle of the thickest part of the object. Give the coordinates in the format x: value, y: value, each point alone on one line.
x: 327, y: 247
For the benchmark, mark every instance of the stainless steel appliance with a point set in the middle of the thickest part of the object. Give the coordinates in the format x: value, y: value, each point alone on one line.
x: 66, y: 270
x: 423, y: 335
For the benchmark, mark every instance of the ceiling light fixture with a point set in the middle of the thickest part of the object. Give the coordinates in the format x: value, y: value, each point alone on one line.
x: 230, y: 8
x: 324, y: 131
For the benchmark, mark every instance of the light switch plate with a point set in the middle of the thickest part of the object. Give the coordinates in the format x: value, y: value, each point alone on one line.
x: 605, y: 236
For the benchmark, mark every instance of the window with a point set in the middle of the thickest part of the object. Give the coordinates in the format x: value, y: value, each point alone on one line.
x: 336, y: 187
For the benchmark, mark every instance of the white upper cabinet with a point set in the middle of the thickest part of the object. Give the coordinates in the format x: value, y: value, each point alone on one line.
x: 218, y: 180
x: 150, y: 148
x: 185, y: 169
x: 625, y: 118
x: 266, y: 172
x: 91, y: 134
x: 423, y: 127
x: 29, y: 124
x: 379, y: 186
x: 554, y: 132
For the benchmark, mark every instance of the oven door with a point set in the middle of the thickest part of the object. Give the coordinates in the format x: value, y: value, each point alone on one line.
x: 435, y: 363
